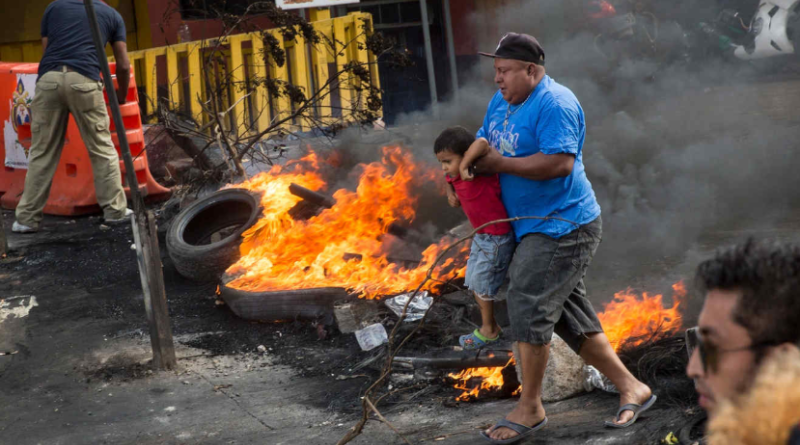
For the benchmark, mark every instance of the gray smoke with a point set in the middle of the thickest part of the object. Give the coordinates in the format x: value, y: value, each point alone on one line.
x: 674, y: 151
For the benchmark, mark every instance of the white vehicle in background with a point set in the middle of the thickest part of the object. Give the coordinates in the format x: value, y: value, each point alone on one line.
x: 773, y: 31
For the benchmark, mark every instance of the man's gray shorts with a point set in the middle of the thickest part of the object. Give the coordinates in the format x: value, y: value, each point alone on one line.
x: 547, y: 293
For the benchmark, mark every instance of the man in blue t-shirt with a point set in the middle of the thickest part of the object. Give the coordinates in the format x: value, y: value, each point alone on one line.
x: 69, y: 83
x: 533, y: 136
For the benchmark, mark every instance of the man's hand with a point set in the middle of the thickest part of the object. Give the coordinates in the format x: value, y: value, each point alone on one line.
x: 452, y: 199
x: 490, y: 163
x: 465, y: 171
x: 121, y: 99
x: 477, y: 150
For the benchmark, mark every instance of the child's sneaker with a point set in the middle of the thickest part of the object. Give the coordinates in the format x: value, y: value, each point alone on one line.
x: 476, y: 340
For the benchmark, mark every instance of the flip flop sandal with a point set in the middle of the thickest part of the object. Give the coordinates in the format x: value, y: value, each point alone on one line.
x: 475, y: 340
x: 637, y: 410
x: 522, y: 431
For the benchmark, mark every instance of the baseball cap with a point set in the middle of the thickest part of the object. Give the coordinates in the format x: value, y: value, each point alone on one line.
x: 518, y: 47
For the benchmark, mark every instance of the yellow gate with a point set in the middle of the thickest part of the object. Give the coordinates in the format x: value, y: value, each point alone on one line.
x: 178, y: 70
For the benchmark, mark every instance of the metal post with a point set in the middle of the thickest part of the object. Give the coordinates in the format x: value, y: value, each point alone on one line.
x: 3, y: 242
x: 451, y: 50
x: 147, y: 251
x: 426, y: 33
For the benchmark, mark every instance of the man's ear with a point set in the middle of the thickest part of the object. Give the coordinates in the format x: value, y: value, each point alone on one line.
x: 535, y: 70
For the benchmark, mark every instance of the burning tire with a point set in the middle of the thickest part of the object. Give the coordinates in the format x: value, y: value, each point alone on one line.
x: 295, y: 304
x: 204, y: 239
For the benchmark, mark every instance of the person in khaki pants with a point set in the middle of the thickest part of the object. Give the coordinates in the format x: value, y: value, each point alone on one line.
x: 69, y: 83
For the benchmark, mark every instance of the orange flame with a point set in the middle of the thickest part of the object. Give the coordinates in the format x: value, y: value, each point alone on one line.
x: 491, y: 379
x: 630, y: 320
x: 281, y: 253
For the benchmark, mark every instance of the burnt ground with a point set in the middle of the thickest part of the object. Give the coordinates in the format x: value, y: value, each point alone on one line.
x: 79, y: 370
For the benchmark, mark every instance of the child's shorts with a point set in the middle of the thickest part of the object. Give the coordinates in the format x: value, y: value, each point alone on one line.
x: 488, y: 263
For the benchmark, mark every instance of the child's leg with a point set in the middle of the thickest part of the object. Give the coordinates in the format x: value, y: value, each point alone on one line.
x: 489, y: 327
x: 486, y: 269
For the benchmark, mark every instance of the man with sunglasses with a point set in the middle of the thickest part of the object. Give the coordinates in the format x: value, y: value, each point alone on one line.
x: 751, y: 310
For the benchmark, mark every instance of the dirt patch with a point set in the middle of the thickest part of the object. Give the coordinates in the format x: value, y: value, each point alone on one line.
x: 120, y: 373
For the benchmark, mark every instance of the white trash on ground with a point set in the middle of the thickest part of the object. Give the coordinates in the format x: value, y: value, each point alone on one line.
x: 416, y: 310
x: 594, y: 379
x: 372, y: 336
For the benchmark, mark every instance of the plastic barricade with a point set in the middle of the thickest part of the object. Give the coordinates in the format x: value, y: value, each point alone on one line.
x: 72, y: 191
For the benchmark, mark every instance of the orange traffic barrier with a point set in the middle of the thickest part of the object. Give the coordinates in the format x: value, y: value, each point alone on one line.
x: 72, y: 191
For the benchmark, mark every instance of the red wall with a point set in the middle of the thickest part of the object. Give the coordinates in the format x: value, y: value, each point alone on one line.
x: 465, y: 37
x: 165, y: 19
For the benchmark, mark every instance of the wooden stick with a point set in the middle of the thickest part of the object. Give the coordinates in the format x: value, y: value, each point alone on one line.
x: 155, y: 301
x: 311, y: 196
x: 463, y: 360
x: 383, y: 419
x: 144, y: 227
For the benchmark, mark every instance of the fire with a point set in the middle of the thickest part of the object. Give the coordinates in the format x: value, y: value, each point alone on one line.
x: 629, y: 320
x: 490, y: 379
x: 279, y: 252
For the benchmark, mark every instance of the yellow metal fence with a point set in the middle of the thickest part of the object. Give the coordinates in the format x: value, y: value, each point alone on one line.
x: 21, y: 52
x: 175, y: 74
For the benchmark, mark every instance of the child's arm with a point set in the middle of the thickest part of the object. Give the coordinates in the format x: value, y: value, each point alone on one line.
x: 478, y: 149
x: 452, y: 198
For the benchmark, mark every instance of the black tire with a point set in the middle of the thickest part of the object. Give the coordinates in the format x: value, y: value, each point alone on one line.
x: 295, y: 304
x: 204, y: 239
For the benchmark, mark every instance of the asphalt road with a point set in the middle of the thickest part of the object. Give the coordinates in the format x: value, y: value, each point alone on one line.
x: 78, y: 375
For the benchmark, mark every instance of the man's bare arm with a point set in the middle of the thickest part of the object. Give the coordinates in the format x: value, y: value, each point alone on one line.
x: 477, y: 150
x: 537, y: 167
x: 44, y: 43
x: 542, y: 167
x: 123, y: 69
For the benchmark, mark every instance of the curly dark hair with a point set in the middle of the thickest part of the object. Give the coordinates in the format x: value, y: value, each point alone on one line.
x: 454, y: 139
x: 767, y: 274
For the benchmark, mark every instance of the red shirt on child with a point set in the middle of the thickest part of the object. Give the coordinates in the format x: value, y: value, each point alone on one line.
x: 480, y: 199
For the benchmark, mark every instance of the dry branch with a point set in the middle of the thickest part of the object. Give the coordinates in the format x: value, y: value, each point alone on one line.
x: 242, y: 138
x: 366, y: 403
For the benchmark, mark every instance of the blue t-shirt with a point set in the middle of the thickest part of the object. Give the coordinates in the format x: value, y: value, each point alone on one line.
x: 69, y: 38
x: 551, y: 122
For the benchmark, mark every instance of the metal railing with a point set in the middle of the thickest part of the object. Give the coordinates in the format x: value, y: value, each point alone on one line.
x: 175, y: 75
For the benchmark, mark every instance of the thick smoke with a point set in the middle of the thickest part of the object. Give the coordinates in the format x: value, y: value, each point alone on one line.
x: 675, y: 151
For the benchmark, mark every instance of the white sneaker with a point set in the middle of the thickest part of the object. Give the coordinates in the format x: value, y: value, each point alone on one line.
x: 126, y: 218
x: 22, y: 228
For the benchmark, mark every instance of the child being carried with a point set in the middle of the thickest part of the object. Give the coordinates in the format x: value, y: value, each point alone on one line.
x: 493, y: 246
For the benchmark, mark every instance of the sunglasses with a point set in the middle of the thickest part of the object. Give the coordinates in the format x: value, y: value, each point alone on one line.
x: 710, y: 353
